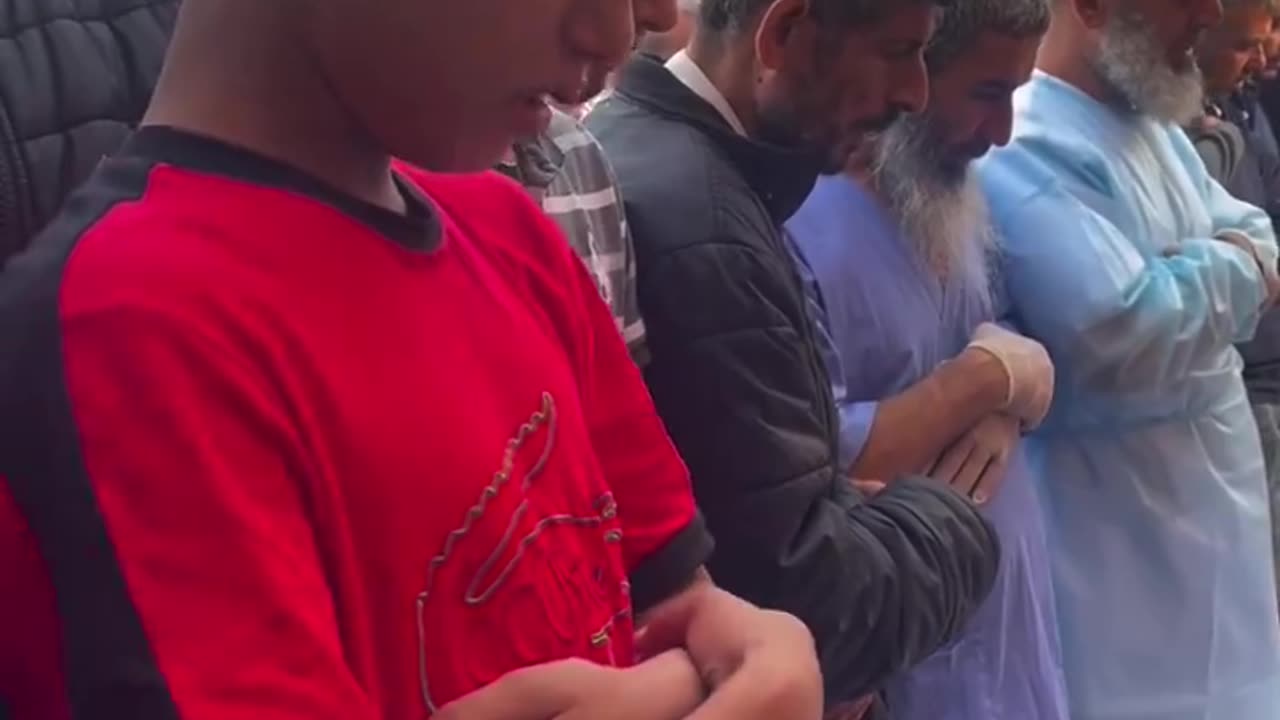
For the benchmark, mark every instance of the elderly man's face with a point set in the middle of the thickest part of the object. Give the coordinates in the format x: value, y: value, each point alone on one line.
x: 1271, y: 49
x: 1145, y: 54
x: 1176, y: 26
x: 1234, y: 50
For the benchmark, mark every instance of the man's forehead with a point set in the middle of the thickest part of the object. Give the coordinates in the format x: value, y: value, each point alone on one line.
x: 1247, y: 20
x: 906, y: 20
x: 995, y: 55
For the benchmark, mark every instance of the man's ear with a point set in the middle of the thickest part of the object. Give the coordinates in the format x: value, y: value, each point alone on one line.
x: 779, y: 25
x: 1092, y: 13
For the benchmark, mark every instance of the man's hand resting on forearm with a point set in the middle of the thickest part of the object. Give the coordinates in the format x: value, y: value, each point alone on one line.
x: 975, y: 465
x: 1270, y: 276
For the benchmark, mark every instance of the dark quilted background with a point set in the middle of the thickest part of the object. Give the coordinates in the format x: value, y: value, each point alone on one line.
x: 74, y: 76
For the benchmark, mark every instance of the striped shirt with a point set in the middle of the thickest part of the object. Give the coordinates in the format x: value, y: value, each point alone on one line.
x: 566, y: 172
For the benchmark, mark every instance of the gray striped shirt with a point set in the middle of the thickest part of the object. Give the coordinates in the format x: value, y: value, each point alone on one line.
x: 566, y: 172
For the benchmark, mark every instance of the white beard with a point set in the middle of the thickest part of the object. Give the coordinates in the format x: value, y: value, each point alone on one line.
x: 941, y: 210
x: 1132, y: 63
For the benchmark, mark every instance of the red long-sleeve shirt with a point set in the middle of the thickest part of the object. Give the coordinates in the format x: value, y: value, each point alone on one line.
x: 286, y: 455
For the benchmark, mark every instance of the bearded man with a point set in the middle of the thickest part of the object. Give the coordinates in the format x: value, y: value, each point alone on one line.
x: 1139, y: 272
x: 899, y: 287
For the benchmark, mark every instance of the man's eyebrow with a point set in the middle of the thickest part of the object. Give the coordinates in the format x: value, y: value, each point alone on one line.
x: 911, y: 42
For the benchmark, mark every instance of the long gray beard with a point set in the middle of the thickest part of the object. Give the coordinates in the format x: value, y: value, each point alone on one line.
x: 941, y: 210
x: 1132, y: 63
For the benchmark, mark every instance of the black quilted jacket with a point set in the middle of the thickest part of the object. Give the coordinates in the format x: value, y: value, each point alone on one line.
x: 74, y: 76
x: 736, y: 376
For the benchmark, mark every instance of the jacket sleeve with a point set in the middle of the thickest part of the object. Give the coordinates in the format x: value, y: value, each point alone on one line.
x: 881, y: 585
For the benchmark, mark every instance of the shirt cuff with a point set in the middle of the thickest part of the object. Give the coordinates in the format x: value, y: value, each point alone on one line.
x: 856, y: 419
x: 673, y: 567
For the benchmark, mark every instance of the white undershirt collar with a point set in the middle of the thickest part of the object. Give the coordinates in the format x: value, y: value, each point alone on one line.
x: 688, y: 72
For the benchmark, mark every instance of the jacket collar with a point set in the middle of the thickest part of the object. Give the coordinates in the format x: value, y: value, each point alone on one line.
x: 781, y: 177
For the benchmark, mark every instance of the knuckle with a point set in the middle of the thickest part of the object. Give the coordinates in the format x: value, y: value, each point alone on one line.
x: 787, y: 622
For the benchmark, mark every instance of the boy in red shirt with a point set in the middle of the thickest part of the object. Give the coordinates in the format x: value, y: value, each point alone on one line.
x: 292, y: 433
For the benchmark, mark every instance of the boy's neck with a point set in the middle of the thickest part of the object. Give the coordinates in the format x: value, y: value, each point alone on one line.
x: 268, y: 98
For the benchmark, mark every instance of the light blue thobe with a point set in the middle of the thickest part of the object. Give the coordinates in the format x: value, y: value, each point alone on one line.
x: 1153, y: 478
x: 888, y: 324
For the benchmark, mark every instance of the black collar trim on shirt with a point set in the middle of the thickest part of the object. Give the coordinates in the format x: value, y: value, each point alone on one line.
x: 417, y: 230
x: 782, y: 177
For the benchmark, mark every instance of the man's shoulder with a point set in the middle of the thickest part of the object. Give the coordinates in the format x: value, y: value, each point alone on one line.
x: 1016, y: 171
x: 1044, y: 167
x: 134, y: 224
x: 583, y: 169
x: 838, y: 204
x: 677, y: 187
x: 632, y: 133
x: 570, y: 136
x: 176, y: 251
x: 181, y: 239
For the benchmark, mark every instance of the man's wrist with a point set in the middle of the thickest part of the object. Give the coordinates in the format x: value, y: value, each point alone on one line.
x: 1241, y: 241
x: 984, y: 375
x: 1247, y: 246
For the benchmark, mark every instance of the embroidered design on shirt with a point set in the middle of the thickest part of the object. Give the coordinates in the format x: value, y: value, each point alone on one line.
x: 488, y: 578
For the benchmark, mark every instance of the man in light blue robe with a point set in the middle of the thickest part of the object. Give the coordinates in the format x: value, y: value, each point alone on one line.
x: 1139, y: 272
x: 897, y: 273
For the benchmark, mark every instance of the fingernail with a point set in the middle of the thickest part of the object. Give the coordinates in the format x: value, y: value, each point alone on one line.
x: 980, y: 498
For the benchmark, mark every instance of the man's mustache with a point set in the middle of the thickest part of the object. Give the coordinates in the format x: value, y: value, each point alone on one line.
x: 880, y: 123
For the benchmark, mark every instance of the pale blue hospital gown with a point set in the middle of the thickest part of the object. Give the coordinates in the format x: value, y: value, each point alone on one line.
x: 1152, y: 474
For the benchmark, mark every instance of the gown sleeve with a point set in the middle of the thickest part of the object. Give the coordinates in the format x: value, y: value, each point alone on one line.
x: 1228, y: 213
x: 1129, y: 326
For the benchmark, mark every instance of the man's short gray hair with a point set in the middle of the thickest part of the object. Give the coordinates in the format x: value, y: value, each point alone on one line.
x: 736, y: 15
x: 963, y: 22
x: 1272, y: 6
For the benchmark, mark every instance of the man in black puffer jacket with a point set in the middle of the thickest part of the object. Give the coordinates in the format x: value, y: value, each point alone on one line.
x: 713, y: 152
x: 75, y: 75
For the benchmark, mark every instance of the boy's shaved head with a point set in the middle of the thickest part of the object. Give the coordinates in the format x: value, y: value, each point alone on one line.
x: 441, y: 83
